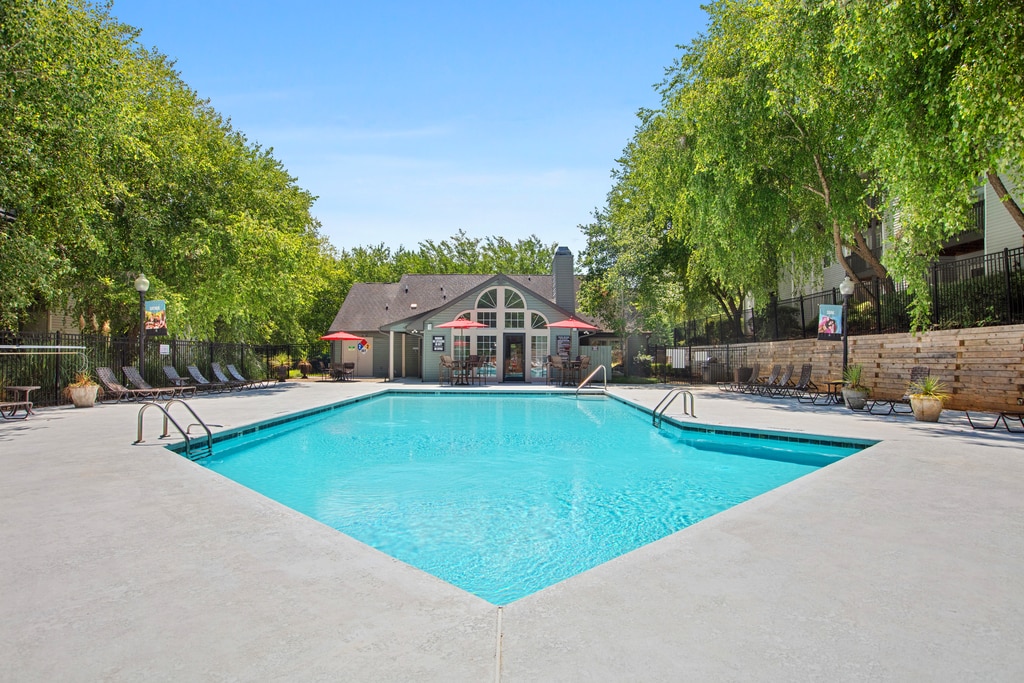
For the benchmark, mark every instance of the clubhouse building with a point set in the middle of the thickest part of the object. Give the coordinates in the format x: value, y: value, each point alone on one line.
x: 401, y: 323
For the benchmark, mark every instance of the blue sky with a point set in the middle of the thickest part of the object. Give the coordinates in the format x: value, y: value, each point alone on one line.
x: 414, y: 120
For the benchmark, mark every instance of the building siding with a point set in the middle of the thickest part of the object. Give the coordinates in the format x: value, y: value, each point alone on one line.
x: 1001, y: 232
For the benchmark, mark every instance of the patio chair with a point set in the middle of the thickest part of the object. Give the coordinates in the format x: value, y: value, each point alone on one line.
x: 763, y: 383
x: 252, y: 383
x: 781, y: 383
x: 204, y: 384
x: 134, y: 378
x: 348, y: 370
x: 804, y: 390
x: 113, y: 389
x: 896, y: 405
x: 555, y: 365
x: 219, y: 376
x: 445, y: 370
x: 740, y: 375
x: 474, y: 365
x: 748, y: 384
x: 1004, y: 417
x: 584, y: 366
x: 174, y: 378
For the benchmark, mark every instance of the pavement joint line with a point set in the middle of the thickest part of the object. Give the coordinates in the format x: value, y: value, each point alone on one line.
x: 497, y: 648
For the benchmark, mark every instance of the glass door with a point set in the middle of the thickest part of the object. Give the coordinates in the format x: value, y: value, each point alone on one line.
x: 514, y: 356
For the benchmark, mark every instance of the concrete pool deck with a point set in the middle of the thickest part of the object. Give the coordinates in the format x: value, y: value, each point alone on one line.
x: 121, y: 562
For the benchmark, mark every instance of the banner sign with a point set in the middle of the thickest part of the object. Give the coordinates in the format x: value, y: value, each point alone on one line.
x: 830, y: 322
x: 156, y: 318
x: 437, y: 343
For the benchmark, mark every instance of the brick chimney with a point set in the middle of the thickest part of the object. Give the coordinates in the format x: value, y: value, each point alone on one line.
x: 563, y: 287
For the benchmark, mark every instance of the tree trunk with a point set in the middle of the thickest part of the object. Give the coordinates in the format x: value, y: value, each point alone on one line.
x: 1004, y: 196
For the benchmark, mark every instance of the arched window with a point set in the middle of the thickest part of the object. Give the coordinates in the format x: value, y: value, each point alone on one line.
x: 488, y: 299
x: 513, y: 299
x: 538, y: 322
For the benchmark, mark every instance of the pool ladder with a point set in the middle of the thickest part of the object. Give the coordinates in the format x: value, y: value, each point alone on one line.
x: 604, y: 375
x: 185, y: 433
x: 666, y: 401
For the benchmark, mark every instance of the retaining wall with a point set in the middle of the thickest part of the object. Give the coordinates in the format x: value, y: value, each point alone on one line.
x: 982, y: 366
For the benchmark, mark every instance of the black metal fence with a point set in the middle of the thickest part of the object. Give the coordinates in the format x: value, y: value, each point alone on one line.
x: 51, y: 360
x: 986, y: 290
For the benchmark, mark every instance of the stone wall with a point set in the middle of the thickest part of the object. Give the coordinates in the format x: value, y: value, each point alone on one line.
x: 982, y: 366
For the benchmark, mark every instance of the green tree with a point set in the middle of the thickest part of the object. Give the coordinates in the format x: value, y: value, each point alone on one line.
x: 948, y: 79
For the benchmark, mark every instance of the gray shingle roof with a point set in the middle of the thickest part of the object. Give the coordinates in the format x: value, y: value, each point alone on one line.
x: 371, y: 305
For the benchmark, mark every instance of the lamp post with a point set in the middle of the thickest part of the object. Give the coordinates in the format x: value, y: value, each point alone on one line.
x: 142, y: 286
x: 846, y: 288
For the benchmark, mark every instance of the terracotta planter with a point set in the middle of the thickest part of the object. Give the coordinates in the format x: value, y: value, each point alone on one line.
x: 83, y: 397
x: 282, y: 372
x: 926, y: 408
x: 305, y: 369
x: 855, y: 399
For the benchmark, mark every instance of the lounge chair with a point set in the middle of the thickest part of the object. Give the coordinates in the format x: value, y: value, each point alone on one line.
x: 749, y: 384
x: 134, y: 378
x: 113, y: 389
x: 781, y: 384
x: 253, y: 383
x: 1004, y: 417
x: 202, y: 383
x: 805, y: 390
x: 895, y: 405
x: 740, y: 375
x: 763, y: 383
x: 174, y: 378
x: 218, y: 375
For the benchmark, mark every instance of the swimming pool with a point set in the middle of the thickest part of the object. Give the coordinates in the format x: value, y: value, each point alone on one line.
x: 506, y: 494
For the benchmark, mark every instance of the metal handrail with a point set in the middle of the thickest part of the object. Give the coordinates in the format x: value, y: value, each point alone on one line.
x: 599, y: 368
x: 667, y: 400
x: 184, y: 432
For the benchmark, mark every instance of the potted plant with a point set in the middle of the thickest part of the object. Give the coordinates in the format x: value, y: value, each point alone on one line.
x: 926, y: 399
x: 305, y: 367
x: 855, y: 394
x: 82, y: 391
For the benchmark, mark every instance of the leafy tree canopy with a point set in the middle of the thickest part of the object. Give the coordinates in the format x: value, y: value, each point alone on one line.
x: 789, y: 128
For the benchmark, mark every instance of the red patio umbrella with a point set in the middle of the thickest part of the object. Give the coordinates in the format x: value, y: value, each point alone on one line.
x: 573, y: 323
x: 461, y: 324
x: 342, y: 336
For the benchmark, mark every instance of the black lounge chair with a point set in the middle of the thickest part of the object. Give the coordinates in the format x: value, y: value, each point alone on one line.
x: 1004, y: 417
x: 805, y: 390
x: 218, y: 374
x: 751, y: 382
x: 897, y: 405
x: 202, y: 383
x: 113, y: 389
x: 251, y: 383
x: 741, y: 375
x: 759, y: 385
x: 134, y: 378
x: 781, y: 384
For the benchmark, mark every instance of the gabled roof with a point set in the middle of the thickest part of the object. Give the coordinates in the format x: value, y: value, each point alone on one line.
x: 372, y: 306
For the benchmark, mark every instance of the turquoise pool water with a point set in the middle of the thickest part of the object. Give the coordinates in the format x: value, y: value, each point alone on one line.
x: 503, y: 495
